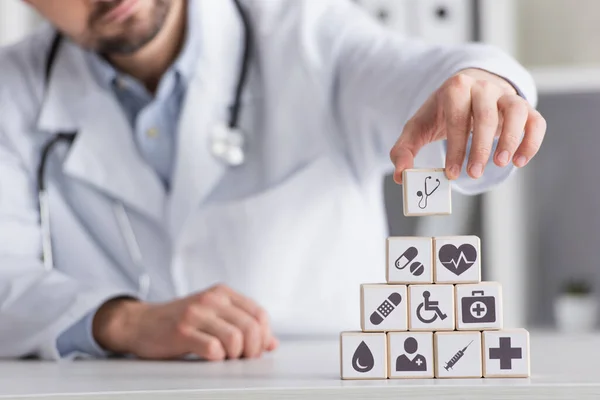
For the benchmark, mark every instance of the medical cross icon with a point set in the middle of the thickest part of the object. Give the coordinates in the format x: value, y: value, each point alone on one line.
x: 479, y: 309
x: 505, y: 353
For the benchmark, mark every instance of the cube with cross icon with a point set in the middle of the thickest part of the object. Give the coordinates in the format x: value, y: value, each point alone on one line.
x: 506, y: 354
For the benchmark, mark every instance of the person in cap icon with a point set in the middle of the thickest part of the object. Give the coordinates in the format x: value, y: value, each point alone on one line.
x: 418, y: 363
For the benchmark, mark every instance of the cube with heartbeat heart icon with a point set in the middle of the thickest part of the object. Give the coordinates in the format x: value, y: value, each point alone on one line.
x: 457, y: 259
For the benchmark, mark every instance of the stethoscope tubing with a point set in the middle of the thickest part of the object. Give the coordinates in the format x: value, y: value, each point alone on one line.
x: 123, y: 221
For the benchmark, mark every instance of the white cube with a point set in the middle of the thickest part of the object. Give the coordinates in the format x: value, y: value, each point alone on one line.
x: 409, y: 260
x: 457, y: 259
x: 426, y: 192
x: 479, y: 306
x: 383, y: 307
x: 458, y: 355
x: 506, y: 354
x: 431, y: 308
x: 410, y: 355
x: 363, y: 355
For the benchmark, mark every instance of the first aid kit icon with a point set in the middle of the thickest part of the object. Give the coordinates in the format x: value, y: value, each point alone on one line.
x: 478, y: 308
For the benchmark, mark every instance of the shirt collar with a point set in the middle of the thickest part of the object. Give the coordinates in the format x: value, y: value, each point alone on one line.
x: 184, y: 65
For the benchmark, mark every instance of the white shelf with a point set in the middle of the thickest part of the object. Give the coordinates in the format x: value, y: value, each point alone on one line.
x: 559, y: 79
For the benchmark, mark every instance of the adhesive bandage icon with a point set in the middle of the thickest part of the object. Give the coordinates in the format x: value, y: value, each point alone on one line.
x: 385, y: 308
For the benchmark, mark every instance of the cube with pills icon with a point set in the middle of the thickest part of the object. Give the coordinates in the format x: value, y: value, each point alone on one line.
x: 409, y: 260
x: 383, y: 308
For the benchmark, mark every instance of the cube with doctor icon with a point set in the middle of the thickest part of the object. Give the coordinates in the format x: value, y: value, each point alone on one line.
x: 410, y: 355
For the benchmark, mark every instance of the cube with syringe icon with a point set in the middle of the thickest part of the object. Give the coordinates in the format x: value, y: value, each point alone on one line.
x: 458, y: 355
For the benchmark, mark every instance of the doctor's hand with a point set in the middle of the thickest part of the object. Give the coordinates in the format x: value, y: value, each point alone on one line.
x: 214, y: 325
x: 479, y: 102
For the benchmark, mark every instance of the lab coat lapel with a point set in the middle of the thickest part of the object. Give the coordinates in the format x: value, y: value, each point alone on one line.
x: 209, y: 96
x: 104, y: 153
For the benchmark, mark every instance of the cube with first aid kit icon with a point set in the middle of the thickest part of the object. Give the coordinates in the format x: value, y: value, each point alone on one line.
x: 383, y: 308
x: 409, y: 260
x: 479, y: 306
x: 426, y: 192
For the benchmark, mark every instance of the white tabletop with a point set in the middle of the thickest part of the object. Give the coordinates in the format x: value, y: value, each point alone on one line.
x: 563, y: 367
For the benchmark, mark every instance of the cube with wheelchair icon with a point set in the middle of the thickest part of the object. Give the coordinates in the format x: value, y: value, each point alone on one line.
x: 431, y: 308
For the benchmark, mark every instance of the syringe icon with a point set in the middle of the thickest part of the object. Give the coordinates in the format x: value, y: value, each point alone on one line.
x: 456, y: 357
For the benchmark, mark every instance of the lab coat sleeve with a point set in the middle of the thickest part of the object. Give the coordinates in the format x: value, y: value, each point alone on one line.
x: 380, y: 79
x: 36, y: 305
x: 79, y: 339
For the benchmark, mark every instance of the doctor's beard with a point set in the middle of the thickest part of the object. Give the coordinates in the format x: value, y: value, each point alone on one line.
x: 129, y: 35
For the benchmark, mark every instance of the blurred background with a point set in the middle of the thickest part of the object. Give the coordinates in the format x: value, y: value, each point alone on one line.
x: 540, y: 230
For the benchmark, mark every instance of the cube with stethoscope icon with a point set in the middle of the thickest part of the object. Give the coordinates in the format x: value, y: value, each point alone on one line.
x: 426, y: 192
x: 435, y: 314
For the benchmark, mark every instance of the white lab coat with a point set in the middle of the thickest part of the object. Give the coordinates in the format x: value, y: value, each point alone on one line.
x: 298, y: 227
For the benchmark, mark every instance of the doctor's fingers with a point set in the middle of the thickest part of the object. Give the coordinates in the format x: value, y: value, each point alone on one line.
x: 229, y: 336
x: 455, y: 103
x: 202, y: 344
x: 253, y: 336
x: 245, y: 303
x: 484, y: 105
x: 409, y: 143
x: 523, y: 131
x: 258, y: 313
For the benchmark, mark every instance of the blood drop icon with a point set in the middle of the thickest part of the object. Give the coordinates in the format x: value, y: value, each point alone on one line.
x: 362, y: 360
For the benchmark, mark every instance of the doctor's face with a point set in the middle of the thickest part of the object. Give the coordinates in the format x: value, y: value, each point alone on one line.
x: 106, y: 26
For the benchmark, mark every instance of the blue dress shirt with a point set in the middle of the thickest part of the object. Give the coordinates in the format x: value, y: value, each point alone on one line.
x: 154, y: 122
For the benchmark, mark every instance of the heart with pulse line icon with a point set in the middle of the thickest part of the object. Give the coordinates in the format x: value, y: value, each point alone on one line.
x: 458, y: 259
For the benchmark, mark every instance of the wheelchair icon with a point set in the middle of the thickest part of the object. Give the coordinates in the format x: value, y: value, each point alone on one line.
x: 429, y: 305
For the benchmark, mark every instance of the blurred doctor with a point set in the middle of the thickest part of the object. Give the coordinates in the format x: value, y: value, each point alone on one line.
x: 188, y: 220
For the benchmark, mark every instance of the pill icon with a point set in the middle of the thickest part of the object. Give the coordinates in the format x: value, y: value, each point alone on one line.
x: 406, y: 257
x: 417, y: 268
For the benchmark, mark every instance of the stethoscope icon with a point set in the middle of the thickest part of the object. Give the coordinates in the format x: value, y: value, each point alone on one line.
x: 424, y: 198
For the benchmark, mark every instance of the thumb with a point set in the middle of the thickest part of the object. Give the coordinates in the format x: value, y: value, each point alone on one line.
x: 406, y: 149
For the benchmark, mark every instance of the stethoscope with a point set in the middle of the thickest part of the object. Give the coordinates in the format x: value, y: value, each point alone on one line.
x: 425, y: 197
x: 227, y: 145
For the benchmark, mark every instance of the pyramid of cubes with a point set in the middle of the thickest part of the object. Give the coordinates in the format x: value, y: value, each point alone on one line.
x: 434, y: 317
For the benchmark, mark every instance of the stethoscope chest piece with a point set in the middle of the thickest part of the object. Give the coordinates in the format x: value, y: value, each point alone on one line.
x: 227, y: 145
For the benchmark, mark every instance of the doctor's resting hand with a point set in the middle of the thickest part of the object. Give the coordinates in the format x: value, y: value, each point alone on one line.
x: 474, y: 101
x: 215, y: 324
